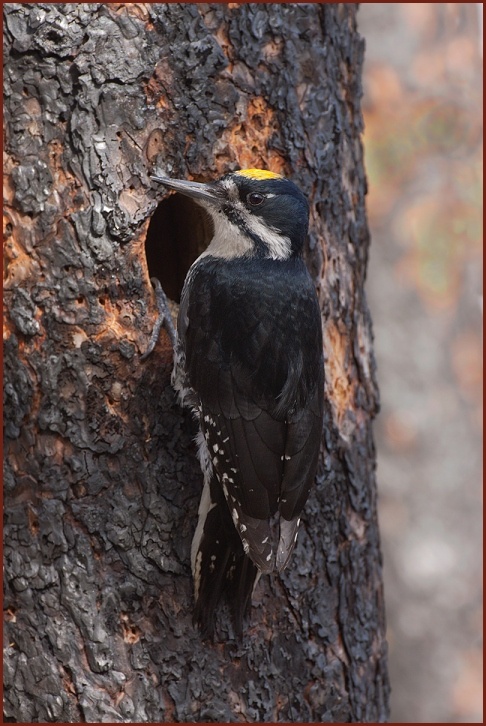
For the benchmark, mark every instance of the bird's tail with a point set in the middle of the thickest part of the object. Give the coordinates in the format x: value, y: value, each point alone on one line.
x: 221, y: 570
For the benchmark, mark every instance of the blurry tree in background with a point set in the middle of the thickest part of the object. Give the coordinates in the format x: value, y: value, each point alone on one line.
x: 423, y: 145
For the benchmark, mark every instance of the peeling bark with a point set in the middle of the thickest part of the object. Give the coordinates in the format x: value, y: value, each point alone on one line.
x: 101, y: 480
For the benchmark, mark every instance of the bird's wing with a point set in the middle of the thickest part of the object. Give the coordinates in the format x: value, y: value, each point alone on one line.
x: 246, y: 447
x: 266, y: 466
x: 260, y: 400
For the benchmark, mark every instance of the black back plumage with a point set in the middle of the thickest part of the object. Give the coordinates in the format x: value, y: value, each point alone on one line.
x: 254, y: 356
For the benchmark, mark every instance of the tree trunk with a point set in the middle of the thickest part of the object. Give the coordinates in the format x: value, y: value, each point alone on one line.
x: 101, y: 479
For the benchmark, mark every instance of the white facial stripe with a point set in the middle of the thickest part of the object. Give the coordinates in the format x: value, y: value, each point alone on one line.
x: 230, y: 241
x: 279, y: 246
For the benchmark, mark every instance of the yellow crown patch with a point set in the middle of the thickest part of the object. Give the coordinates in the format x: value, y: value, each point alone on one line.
x: 258, y: 174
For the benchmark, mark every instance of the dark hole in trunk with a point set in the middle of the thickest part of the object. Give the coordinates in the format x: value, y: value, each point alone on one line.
x: 178, y: 232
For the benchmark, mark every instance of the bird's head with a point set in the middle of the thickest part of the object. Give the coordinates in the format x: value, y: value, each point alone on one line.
x: 255, y: 213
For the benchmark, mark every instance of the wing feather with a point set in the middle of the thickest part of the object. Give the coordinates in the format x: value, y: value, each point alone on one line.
x: 261, y: 400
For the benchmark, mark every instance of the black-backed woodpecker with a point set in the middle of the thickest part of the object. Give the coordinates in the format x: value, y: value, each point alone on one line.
x: 248, y: 360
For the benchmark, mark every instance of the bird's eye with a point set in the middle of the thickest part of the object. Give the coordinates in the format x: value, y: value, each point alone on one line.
x: 255, y: 199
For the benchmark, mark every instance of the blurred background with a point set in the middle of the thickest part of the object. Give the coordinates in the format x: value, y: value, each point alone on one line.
x: 423, y: 148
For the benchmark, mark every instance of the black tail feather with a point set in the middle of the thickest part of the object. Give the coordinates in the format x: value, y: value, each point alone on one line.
x: 243, y: 582
x: 223, y: 571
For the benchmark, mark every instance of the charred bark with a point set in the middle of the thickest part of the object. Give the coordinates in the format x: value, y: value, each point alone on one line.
x: 101, y: 478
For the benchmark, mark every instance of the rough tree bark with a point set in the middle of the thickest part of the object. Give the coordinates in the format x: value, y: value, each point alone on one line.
x: 101, y: 478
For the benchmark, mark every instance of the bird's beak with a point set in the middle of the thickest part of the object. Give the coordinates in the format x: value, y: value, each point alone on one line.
x: 210, y: 193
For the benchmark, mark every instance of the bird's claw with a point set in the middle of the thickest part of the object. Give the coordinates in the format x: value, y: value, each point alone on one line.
x: 164, y: 318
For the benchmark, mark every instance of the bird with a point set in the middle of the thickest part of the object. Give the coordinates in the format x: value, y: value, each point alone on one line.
x: 248, y: 362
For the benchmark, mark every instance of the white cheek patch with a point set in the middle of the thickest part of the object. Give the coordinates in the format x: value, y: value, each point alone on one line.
x: 231, y: 241
x: 279, y: 246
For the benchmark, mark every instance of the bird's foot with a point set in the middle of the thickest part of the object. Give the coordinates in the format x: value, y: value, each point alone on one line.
x: 164, y: 317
